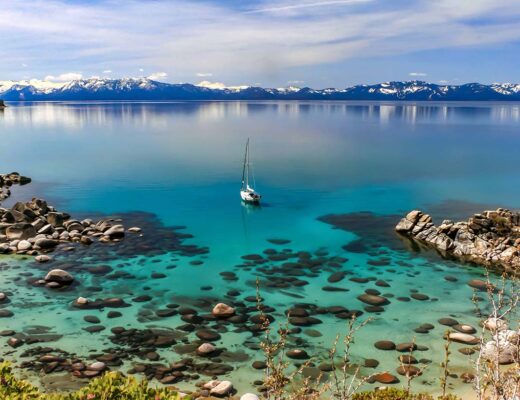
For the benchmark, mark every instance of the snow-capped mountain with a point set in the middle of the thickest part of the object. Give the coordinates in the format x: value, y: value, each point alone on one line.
x: 146, y: 89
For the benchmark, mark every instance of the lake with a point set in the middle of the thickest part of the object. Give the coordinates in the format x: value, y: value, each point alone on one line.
x: 179, y: 165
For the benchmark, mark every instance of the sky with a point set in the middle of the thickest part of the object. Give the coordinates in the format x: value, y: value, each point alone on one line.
x: 270, y: 43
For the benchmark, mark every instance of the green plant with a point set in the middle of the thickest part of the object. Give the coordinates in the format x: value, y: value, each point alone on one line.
x: 110, y: 386
x: 397, y: 394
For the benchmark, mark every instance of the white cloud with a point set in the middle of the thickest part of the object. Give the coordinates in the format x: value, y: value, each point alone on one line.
x: 158, y: 75
x: 290, y: 7
x: 141, y: 70
x: 295, y: 82
x: 211, y: 85
x: 206, y: 36
x: 69, y: 76
x: 418, y: 74
x: 444, y: 82
x: 204, y: 74
x: 220, y: 85
x: 24, y: 65
x: 107, y: 71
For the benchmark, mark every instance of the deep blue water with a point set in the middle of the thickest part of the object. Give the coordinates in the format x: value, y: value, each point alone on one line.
x: 182, y: 162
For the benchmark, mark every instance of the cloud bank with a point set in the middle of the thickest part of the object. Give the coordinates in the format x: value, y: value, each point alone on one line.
x: 265, y: 40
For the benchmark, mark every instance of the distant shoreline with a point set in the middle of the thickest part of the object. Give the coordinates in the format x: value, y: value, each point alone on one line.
x: 143, y: 89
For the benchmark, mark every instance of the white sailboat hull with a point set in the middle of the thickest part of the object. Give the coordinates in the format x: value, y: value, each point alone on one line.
x: 250, y: 196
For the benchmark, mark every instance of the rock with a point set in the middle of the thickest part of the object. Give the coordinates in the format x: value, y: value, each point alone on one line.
x: 3, y: 297
x: 406, y: 347
x: 15, y: 342
x: 24, y: 245
x: 373, y: 300
x: 506, y: 347
x: 384, y: 345
x: 20, y: 231
x: 206, y: 349
x: 97, y: 366
x: 42, y: 258
x: 464, y: 328
x: 407, y: 223
x: 115, y: 232
x: 408, y: 370
x: 259, y: 365
x: 134, y: 229
x: 82, y: 301
x: 479, y: 284
x: 297, y: 354
x: 222, y: 310
x: 249, y: 396
x: 55, y: 219
x: 92, y: 319
x: 222, y: 389
x: 448, y: 321
x: 463, y: 338
x: 46, y: 244
x: 5, y: 313
x: 385, y: 378
x: 493, y: 324
x: 491, y: 238
x: 59, y: 276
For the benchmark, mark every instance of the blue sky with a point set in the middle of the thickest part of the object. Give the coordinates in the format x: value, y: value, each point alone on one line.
x: 317, y: 43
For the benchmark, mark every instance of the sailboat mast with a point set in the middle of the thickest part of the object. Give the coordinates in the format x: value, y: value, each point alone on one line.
x: 247, y: 165
x: 244, y: 176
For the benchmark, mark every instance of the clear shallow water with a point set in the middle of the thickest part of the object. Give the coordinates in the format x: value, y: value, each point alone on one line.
x: 182, y: 162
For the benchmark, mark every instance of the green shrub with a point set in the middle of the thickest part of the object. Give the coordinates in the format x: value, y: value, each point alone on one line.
x: 110, y: 386
x: 397, y: 394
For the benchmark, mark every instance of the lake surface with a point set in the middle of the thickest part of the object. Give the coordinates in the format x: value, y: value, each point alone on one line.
x: 181, y: 162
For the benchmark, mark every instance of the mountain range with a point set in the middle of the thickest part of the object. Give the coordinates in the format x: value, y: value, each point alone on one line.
x: 147, y: 89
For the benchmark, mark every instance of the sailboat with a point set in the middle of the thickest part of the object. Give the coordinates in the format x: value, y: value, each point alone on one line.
x: 248, y: 193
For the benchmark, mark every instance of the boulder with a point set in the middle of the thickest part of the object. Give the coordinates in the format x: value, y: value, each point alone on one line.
x: 249, y: 396
x: 24, y: 245
x: 97, y: 366
x: 46, y: 244
x: 222, y: 389
x: 494, y: 324
x: 222, y: 310
x: 20, y: 231
x: 59, y: 276
x: 373, y: 300
x: 115, y: 232
x: 42, y: 258
x: 55, y: 219
x: 206, y: 349
x: 463, y: 338
x: 506, y: 347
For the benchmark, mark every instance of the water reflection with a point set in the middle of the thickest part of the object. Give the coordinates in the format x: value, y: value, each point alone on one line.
x: 103, y: 113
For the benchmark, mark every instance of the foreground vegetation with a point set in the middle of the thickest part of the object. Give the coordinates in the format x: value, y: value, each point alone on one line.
x: 111, y: 386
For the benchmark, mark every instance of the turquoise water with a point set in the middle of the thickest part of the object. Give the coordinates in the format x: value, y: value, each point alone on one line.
x: 182, y: 163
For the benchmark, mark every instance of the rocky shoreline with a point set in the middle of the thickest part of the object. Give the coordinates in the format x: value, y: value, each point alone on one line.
x: 490, y: 238
x: 35, y: 228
